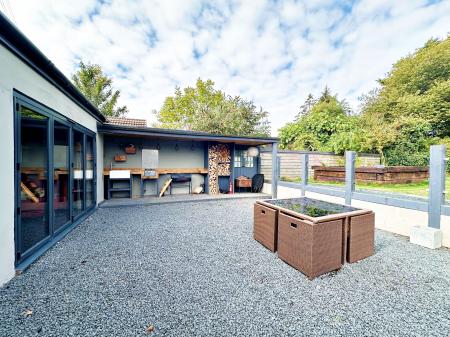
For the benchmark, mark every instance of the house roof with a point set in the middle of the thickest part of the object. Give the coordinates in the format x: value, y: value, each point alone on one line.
x: 126, y: 121
x: 156, y: 133
x: 15, y: 41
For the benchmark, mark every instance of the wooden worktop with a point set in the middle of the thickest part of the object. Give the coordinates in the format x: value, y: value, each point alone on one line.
x: 140, y: 171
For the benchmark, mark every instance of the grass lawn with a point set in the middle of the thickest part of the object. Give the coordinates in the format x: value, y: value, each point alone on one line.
x: 418, y: 189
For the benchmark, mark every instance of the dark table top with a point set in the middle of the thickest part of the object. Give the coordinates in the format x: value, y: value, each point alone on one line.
x: 311, y: 207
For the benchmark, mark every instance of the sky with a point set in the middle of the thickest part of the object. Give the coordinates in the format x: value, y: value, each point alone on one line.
x: 271, y: 52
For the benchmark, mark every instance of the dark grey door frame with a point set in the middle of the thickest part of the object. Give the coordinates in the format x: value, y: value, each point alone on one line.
x: 20, y: 100
x: 18, y: 103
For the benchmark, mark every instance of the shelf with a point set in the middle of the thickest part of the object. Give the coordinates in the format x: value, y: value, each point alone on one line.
x: 124, y: 189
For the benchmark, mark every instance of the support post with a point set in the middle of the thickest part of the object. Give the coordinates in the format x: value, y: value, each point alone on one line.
x: 274, y: 170
x: 304, y: 158
x: 436, y: 186
x: 350, y: 158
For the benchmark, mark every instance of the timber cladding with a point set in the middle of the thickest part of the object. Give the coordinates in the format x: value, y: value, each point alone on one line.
x: 290, y: 162
x: 380, y: 175
x: 219, y: 164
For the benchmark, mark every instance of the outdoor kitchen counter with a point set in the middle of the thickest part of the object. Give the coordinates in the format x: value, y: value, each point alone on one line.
x: 140, y: 171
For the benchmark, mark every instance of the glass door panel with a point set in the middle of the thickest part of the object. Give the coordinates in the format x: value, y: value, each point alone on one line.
x: 89, y: 172
x: 61, y: 207
x: 33, y: 154
x: 78, y: 174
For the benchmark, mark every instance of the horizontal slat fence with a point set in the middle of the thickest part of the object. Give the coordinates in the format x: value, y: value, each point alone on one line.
x: 290, y: 162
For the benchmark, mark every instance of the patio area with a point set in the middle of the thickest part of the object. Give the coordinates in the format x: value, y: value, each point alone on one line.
x: 193, y: 269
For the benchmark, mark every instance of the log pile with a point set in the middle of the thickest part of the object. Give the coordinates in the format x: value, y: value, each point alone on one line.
x: 219, y: 164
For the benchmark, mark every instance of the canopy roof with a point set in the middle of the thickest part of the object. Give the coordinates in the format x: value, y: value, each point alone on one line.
x: 171, y: 134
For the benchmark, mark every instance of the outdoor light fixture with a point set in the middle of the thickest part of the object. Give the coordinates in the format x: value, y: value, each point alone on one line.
x: 253, y: 151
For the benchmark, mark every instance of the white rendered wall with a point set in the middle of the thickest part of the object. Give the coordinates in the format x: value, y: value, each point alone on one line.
x: 389, y: 218
x: 14, y: 74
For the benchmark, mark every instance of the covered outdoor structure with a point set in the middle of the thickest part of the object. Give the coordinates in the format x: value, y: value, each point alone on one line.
x: 53, y: 139
x: 210, y: 163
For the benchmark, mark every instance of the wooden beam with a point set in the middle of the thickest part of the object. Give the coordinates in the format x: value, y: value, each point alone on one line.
x: 196, y: 170
x: 135, y: 170
x: 165, y: 187
x: 29, y: 194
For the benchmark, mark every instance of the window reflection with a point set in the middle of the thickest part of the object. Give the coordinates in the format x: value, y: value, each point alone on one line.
x: 33, y: 179
x: 77, y: 173
x: 89, y: 172
x: 61, y: 175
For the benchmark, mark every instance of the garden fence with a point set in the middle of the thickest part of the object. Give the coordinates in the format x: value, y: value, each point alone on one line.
x: 300, y: 163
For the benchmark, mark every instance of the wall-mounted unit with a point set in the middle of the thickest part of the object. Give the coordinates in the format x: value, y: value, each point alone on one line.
x: 120, y: 158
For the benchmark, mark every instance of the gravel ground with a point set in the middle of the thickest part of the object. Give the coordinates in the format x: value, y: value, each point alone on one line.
x: 167, y: 199
x: 193, y: 270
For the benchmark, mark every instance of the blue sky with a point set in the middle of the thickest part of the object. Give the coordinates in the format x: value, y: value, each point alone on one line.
x: 273, y: 52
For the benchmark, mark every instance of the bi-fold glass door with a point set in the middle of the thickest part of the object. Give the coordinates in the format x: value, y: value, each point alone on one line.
x: 34, y: 180
x: 78, y: 173
x: 55, y: 175
x: 61, y: 175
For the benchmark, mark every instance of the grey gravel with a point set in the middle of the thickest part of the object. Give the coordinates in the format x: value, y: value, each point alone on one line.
x: 167, y: 199
x: 193, y: 269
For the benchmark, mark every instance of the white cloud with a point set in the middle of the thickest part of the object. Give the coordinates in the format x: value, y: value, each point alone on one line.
x: 272, y: 52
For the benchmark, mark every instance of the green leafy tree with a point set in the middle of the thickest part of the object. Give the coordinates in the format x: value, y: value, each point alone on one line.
x: 326, y: 95
x: 412, y: 105
x: 417, y: 86
x: 97, y: 88
x: 306, y: 107
x: 411, y: 146
x: 316, y: 130
x: 204, y: 108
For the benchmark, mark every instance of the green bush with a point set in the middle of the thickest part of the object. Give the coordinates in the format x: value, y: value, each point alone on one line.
x: 412, y: 146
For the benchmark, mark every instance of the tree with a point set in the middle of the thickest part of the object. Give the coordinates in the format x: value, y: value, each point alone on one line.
x: 411, y: 145
x: 418, y: 86
x: 306, y: 107
x: 326, y: 95
x: 317, y: 129
x: 411, y: 108
x: 204, y: 108
x: 97, y: 88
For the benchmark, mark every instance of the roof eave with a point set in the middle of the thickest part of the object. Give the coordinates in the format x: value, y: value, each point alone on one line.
x: 17, y: 43
x: 180, y: 134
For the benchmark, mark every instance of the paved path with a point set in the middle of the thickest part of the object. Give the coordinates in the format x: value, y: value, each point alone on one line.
x: 192, y: 269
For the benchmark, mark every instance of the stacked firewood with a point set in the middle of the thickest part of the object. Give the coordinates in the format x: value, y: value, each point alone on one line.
x: 219, y: 164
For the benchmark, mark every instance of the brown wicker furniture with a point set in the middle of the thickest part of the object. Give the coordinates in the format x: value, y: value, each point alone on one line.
x: 265, y: 226
x: 314, y: 249
x: 360, y: 235
x: 316, y: 236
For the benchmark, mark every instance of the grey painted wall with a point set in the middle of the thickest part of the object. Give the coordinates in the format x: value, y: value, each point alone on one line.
x: 188, y: 155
